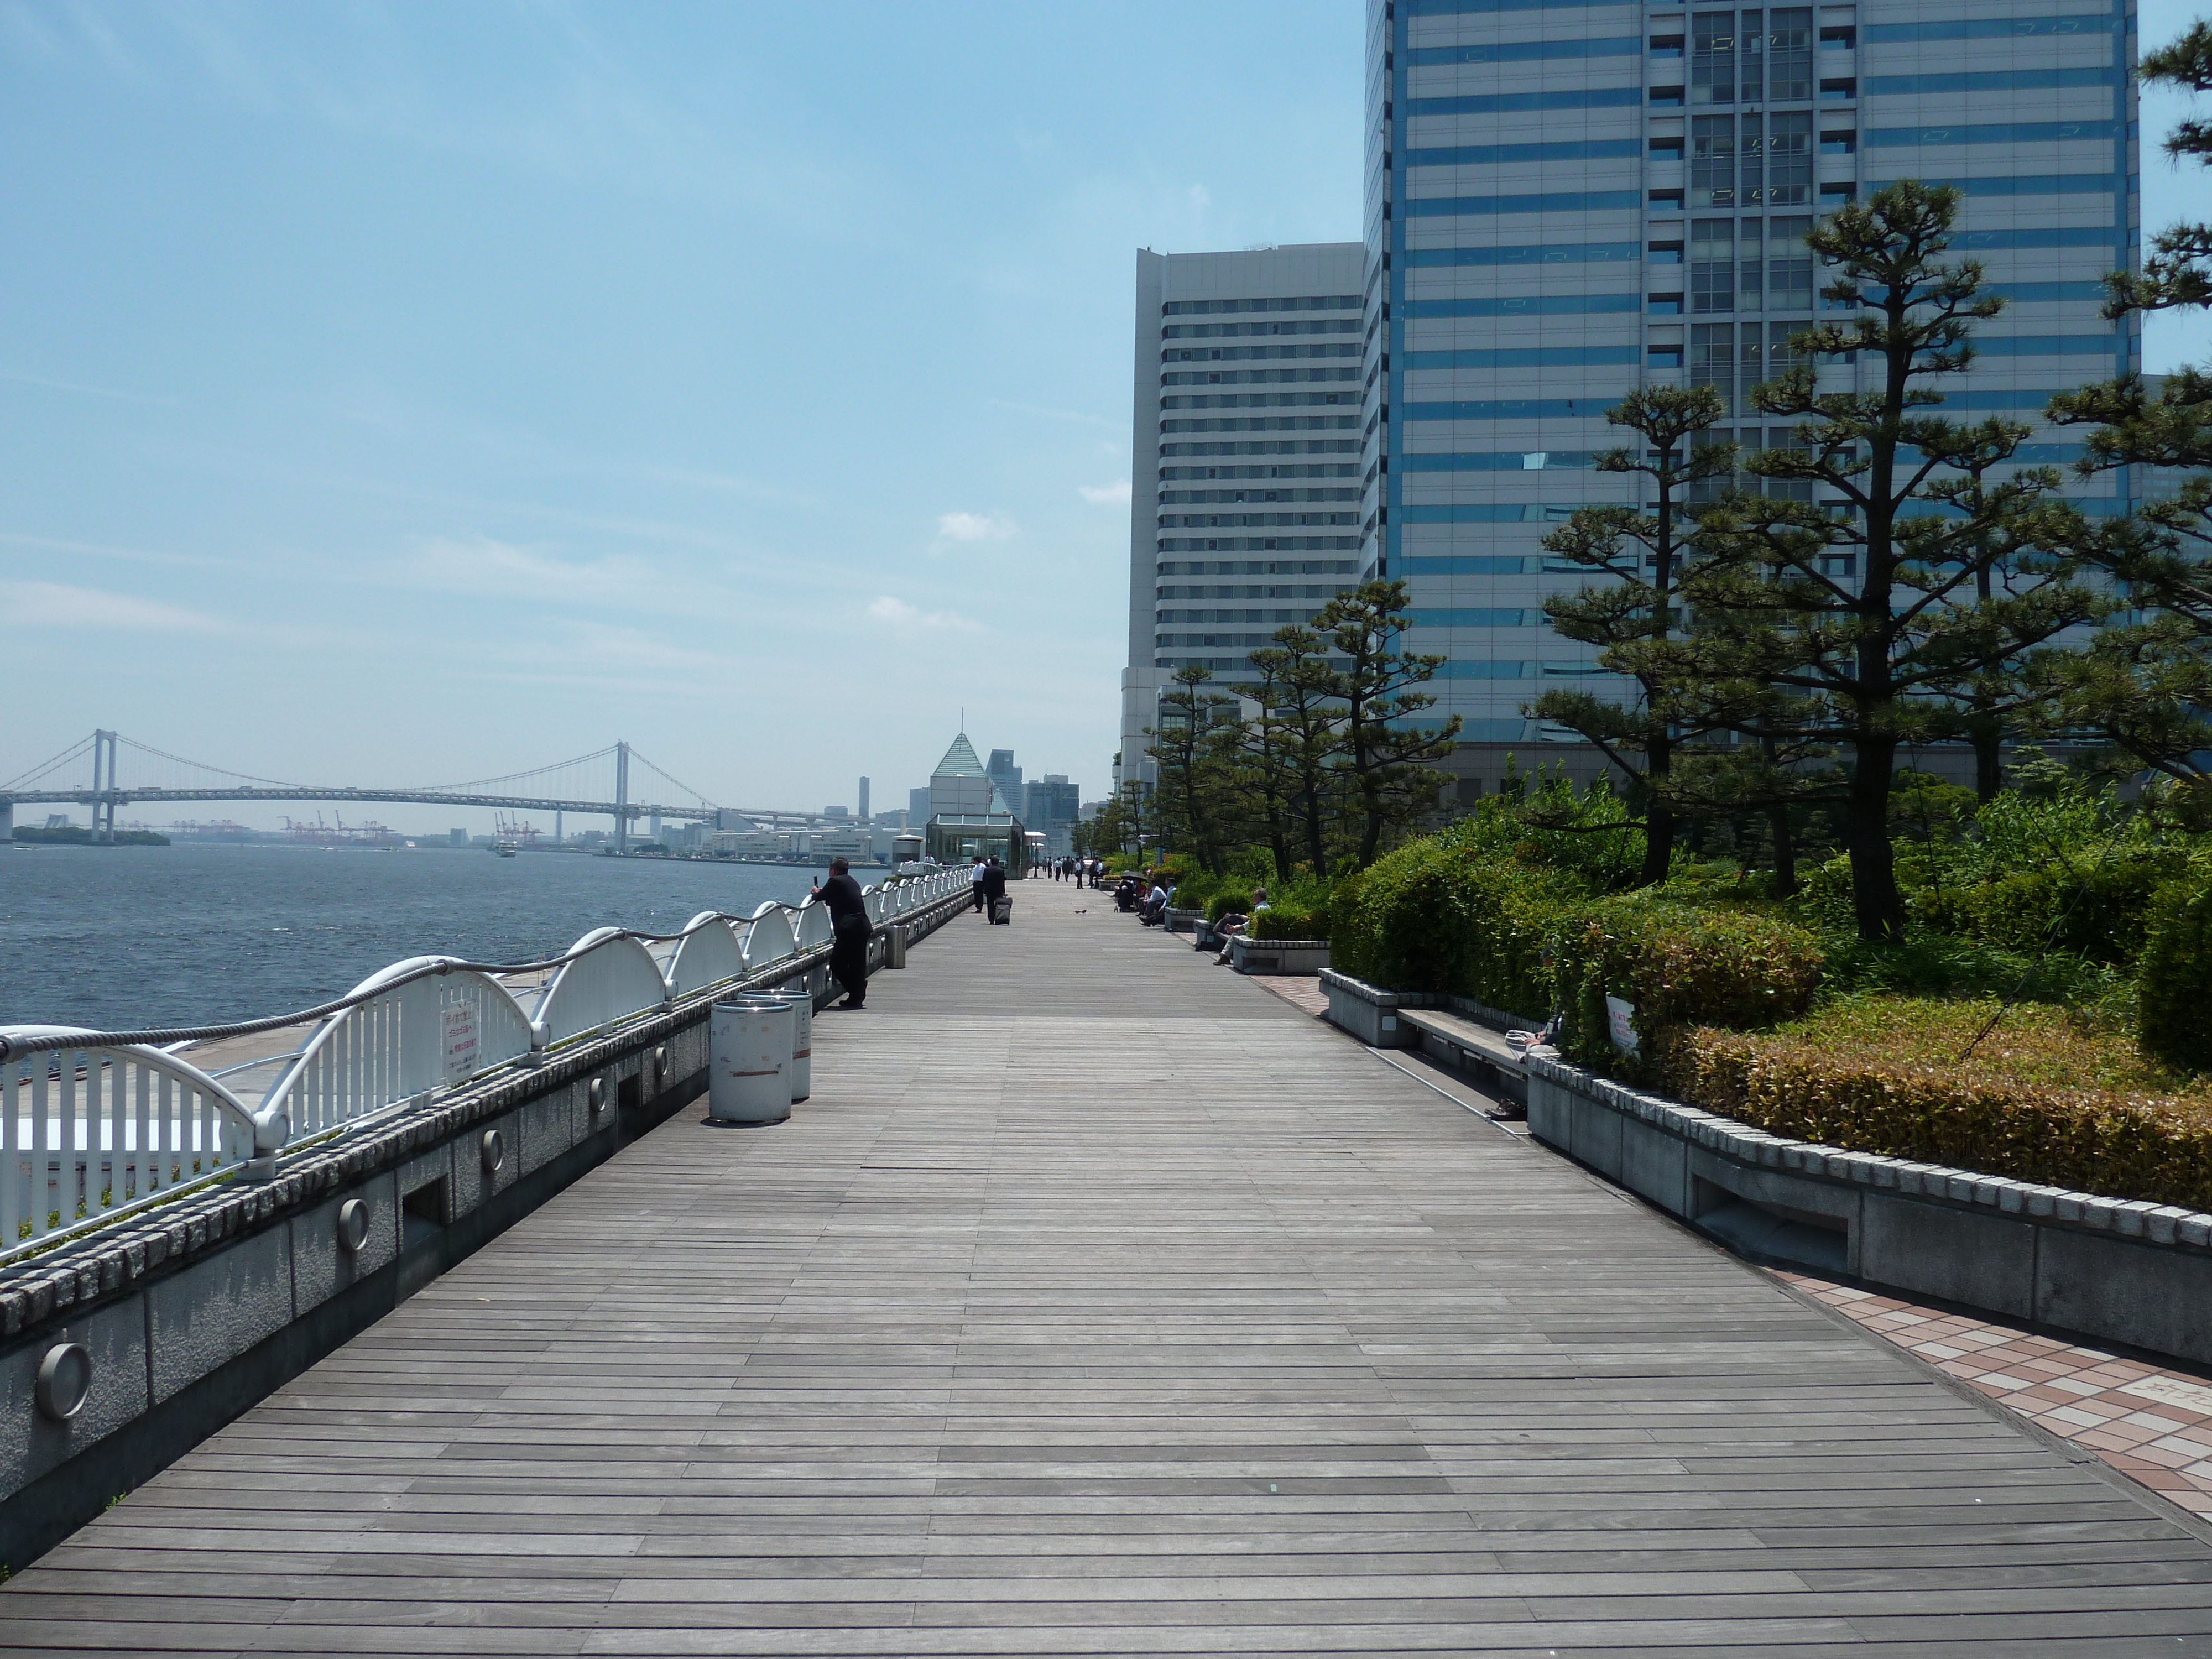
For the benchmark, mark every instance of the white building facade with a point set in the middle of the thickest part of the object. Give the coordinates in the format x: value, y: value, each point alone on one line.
x: 1244, y: 509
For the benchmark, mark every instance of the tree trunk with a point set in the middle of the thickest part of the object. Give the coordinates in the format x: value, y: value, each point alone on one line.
x: 1659, y: 819
x: 1777, y: 826
x: 1785, y: 850
x: 1988, y: 768
x: 1875, y: 898
x: 1278, y: 840
x: 1314, y: 838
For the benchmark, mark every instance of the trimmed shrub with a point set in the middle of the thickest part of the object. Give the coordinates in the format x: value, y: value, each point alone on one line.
x: 1435, y: 916
x: 1935, y: 1111
x: 2173, y: 979
x: 1681, y: 966
x: 1290, y: 921
x: 1228, y: 900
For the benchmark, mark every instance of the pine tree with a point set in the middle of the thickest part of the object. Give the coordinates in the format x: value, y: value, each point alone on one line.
x: 1385, y: 753
x: 1287, y: 752
x: 1190, y: 752
x: 2143, y: 686
x: 1642, y: 553
x: 1868, y: 619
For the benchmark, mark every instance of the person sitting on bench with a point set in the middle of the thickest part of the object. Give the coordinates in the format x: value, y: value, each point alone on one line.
x: 1156, y: 902
x: 1236, y: 923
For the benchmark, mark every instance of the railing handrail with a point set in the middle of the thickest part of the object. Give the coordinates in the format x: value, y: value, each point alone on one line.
x: 51, y: 1037
x: 20, y: 1039
x: 140, y: 1123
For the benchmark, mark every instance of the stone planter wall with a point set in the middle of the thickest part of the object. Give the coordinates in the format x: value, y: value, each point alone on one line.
x: 1278, y: 955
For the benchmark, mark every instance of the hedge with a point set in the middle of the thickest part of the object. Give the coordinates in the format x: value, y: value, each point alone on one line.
x: 1679, y: 965
x: 1438, y: 917
x: 1433, y: 916
x: 2160, y: 1151
x: 2173, y: 984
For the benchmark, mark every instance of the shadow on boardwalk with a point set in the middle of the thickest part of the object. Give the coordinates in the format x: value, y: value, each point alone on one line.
x: 1101, y: 1303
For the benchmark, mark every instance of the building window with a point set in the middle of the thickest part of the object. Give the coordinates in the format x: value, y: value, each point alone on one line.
x: 1712, y: 360
x: 1712, y: 160
x: 1790, y: 264
x: 1668, y: 356
x: 1712, y: 57
x: 1712, y: 265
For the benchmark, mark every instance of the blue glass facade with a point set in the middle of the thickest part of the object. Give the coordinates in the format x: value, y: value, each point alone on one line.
x: 1522, y: 158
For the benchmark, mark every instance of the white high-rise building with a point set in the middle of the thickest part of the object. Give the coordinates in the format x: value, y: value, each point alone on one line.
x: 1244, y: 512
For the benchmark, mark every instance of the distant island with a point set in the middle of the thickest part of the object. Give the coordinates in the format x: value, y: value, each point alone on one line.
x: 76, y: 835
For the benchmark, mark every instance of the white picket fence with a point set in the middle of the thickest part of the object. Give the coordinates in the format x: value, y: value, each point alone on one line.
x: 91, y: 1130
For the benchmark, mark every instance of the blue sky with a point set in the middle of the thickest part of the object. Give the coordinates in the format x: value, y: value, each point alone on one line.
x: 413, y: 393
x: 419, y: 392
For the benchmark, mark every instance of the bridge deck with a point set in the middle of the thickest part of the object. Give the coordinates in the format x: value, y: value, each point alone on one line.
x: 1101, y: 1303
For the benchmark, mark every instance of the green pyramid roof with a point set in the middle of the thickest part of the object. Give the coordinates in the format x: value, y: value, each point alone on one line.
x: 959, y: 761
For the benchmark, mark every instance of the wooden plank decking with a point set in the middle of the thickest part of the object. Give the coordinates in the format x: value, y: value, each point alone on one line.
x: 1101, y: 1303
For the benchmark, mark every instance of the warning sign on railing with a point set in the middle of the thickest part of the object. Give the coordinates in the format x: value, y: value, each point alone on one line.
x: 459, y: 1039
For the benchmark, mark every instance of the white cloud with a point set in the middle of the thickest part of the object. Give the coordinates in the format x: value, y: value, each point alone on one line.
x: 483, y: 564
x: 1112, y: 495
x: 976, y: 527
x: 897, y: 613
x: 53, y: 605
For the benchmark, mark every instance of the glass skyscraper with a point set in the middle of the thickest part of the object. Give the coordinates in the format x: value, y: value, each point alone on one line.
x: 1566, y: 198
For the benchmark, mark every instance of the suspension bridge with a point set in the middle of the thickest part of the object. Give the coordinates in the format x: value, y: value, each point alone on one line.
x: 107, y: 770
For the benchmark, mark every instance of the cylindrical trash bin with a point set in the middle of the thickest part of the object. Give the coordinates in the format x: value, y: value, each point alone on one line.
x: 750, y: 1061
x: 802, y: 1046
x: 894, y: 946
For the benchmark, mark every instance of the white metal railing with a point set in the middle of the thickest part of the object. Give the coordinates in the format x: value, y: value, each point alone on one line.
x: 95, y: 1124
x: 95, y: 1130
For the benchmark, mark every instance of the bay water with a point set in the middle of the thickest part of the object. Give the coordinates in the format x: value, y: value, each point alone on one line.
x: 133, y: 937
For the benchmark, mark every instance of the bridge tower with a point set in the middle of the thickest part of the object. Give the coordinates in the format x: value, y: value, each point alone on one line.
x: 621, y: 799
x: 103, y: 743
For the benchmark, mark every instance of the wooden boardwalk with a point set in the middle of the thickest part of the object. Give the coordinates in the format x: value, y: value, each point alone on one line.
x: 1101, y: 1303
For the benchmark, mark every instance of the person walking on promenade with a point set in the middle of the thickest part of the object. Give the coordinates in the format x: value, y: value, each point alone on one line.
x: 994, y: 888
x: 848, y: 932
x: 976, y: 880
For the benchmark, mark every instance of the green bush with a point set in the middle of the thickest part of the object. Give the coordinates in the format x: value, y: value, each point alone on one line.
x: 1679, y: 965
x: 2173, y: 982
x: 1439, y: 916
x: 1228, y: 900
x: 1893, y: 1102
x: 1291, y: 922
x: 2100, y: 911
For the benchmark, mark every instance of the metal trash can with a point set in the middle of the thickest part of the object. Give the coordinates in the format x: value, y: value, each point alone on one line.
x: 894, y: 946
x: 802, y: 1046
x: 750, y: 1061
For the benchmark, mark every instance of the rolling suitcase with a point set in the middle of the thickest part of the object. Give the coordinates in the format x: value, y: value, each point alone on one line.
x: 1002, y: 908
